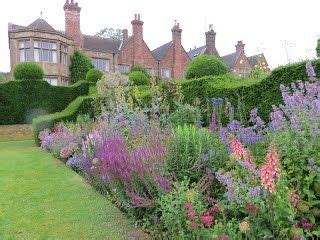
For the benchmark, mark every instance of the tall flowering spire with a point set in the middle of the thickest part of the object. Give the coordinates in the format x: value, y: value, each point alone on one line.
x: 240, y: 152
x: 310, y: 71
x: 270, y: 171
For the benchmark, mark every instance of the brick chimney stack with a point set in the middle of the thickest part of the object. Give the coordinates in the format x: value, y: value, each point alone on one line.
x: 176, y: 32
x: 137, y: 26
x: 211, y: 42
x: 125, y: 34
x: 240, y: 47
x: 137, y: 34
x: 72, y: 22
x: 177, y: 51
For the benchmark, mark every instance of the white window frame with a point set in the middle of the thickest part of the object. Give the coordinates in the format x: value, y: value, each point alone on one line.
x: 25, y: 50
x: 165, y: 73
x: 102, y: 64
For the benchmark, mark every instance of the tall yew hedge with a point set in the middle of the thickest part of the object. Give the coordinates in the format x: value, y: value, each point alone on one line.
x: 261, y: 94
x: 20, y: 101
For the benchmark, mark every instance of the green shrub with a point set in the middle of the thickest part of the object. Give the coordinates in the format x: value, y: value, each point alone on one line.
x: 79, y: 66
x: 174, y: 214
x: 138, y: 68
x: 318, y: 49
x: 28, y: 71
x: 185, y: 114
x: 93, y: 75
x: 205, y: 66
x: 260, y: 93
x: 20, y: 101
x: 192, y: 151
x: 139, y: 78
x: 81, y: 105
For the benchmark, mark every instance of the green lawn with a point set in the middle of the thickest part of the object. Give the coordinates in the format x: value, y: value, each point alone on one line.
x: 40, y: 198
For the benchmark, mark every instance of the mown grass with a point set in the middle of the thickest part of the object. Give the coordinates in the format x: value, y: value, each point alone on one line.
x: 40, y: 198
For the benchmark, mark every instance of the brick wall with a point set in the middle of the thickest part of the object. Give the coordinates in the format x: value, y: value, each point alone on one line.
x: 136, y: 52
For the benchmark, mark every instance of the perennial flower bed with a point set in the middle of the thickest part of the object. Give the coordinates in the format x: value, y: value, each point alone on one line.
x: 240, y: 180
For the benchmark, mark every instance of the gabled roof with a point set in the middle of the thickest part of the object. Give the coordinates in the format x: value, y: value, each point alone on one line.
x: 254, y: 60
x: 161, y: 51
x: 124, y: 43
x: 101, y: 44
x: 41, y: 24
x: 231, y: 59
x: 197, y: 51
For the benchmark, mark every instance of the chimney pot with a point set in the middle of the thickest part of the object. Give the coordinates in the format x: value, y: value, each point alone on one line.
x: 139, y: 16
x: 125, y: 34
x: 72, y: 1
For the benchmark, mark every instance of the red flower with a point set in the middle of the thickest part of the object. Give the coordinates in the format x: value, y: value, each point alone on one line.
x: 206, y: 219
x: 192, y: 225
x: 214, y: 210
x: 191, y: 215
x: 224, y: 237
x: 251, y: 208
x: 188, y: 205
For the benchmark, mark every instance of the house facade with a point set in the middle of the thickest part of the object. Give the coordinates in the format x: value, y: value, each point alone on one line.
x: 237, y: 62
x: 52, y: 49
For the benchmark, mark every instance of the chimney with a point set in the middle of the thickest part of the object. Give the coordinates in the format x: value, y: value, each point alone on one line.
x: 177, y: 51
x: 72, y: 22
x: 125, y: 35
x: 137, y: 26
x: 211, y: 42
x: 137, y: 35
x: 240, y: 47
x: 176, y: 33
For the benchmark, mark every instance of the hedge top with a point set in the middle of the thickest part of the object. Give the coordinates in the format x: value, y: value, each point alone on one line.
x: 206, y: 66
x: 28, y: 71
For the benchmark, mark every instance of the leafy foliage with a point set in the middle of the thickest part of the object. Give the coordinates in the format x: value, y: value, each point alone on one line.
x: 115, y: 34
x: 79, y: 67
x: 81, y: 105
x: 260, y: 93
x: 3, y: 77
x: 93, y: 75
x: 192, y: 151
x: 205, y: 66
x: 139, y: 78
x: 28, y: 71
x: 20, y: 101
x: 318, y: 48
x: 185, y: 114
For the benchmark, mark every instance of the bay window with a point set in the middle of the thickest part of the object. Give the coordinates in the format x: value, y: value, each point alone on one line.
x: 25, y: 50
x: 45, y: 51
x: 64, y: 54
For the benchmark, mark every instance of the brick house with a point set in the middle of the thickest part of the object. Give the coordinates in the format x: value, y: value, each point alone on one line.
x: 172, y: 58
x: 237, y: 62
x: 209, y: 48
x: 52, y: 49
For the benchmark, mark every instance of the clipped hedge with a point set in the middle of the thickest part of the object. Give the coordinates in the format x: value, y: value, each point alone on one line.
x: 28, y: 71
x: 252, y: 93
x: 205, y: 65
x: 20, y: 101
x: 81, y: 105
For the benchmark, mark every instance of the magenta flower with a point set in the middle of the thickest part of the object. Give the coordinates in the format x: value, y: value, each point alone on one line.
x: 188, y: 205
x: 207, y: 219
x: 191, y: 215
x: 193, y: 225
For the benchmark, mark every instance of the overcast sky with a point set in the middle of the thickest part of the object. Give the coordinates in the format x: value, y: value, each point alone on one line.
x: 262, y: 25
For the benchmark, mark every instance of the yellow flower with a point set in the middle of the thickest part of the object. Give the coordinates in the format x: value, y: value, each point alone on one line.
x: 190, y: 194
x: 95, y: 161
x: 244, y: 226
